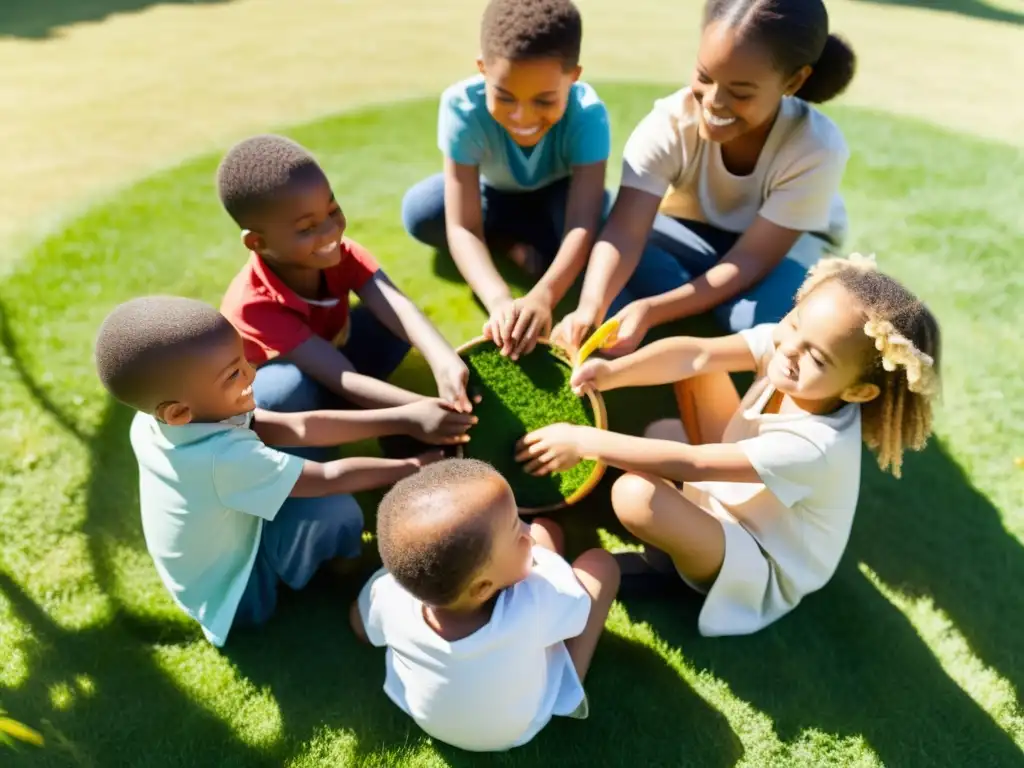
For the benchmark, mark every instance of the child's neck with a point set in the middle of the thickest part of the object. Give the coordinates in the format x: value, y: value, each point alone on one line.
x: 305, y: 281
x: 777, y: 402
x: 740, y: 155
x: 456, y: 622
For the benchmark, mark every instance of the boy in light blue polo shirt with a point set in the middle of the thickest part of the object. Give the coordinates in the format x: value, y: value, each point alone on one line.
x: 226, y: 517
x: 525, y: 146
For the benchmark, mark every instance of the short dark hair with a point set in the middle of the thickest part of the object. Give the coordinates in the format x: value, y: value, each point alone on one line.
x: 257, y: 170
x: 434, y: 533
x: 796, y: 34
x: 143, y: 341
x: 532, y: 29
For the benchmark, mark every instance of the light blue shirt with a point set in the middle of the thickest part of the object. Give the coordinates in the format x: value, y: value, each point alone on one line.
x: 205, y: 490
x: 468, y: 134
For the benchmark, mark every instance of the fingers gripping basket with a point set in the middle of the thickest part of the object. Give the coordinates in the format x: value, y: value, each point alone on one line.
x: 521, y: 396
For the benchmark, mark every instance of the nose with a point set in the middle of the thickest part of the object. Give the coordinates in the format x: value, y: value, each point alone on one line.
x: 520, y: 113
x: 713, y: 97
x: 328, y: 232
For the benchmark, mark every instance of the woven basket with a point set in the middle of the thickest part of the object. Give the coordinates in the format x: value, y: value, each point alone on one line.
x: 600, y: 421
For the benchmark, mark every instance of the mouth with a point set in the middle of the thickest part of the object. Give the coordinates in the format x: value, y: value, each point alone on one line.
x: 247, y: 392
x: 717, y: 122
x: 785, y: 369
x: 524, y: 133
x: 327, y: 250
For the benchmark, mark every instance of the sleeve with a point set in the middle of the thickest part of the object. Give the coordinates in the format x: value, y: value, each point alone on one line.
x: 652, y: 158
x: 371, y: 602
x: 590, y: 135
x: 761, y: 340
x: 254, y: 478
x: 273, y: 327
x: 358, y: 268
x: 459, y: 135
x: 562, y: 605
x: 800, y: 197
x: 789, y: 464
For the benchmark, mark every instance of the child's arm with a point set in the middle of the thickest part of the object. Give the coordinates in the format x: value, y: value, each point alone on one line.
x: 666, y: 361
x: 560, y: 446
x: 612, y: 261
x: 582, y: 217
x: 359, y: 473
x: 355, y: 620
x: 430, y: 420
x: 464, y: 221
x: 320, y: 360
x: 403, y: 318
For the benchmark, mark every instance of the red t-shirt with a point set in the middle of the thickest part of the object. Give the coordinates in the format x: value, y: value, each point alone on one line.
x: 273, y: 320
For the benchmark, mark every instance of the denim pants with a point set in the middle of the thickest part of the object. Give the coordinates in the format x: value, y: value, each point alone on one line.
x: 679, y: 251
x: 535, y: 217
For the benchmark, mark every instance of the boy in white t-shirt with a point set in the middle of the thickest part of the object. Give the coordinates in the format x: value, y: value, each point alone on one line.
x: 489, y: 631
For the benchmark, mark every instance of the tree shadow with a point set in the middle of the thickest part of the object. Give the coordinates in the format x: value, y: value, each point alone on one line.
x: 978, y: 9
x: 42, y: 19
x: 848, y: 662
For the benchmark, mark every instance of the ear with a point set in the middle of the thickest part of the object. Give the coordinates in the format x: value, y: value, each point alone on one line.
x: 253, y: 241
x: 796, y: 82
x: 174, y: 413
x: 576, y: 73
x: 480, y: 65
x: 860, y: 393
x: 480, y: 591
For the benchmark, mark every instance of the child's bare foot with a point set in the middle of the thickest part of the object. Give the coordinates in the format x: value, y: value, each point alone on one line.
x: 528, y: 259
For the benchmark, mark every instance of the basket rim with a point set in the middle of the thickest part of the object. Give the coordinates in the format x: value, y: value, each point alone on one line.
x: 600, y: 422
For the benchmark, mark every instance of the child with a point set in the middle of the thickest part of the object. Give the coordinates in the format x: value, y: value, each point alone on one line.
x: 291, y: 300
x: 737, y: 174
x: 225, y: 516
x: 769, y: 483
x: 489, y: 631
x: 525, y: 146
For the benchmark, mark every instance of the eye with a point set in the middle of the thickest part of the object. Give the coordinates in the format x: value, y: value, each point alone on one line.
x: 307, y: 231
x: 816, y: 357
x: 741, y: 97
x: 234, y: 374
x: 702, y: 77
x: 544, y: 103
x: 504, y: 99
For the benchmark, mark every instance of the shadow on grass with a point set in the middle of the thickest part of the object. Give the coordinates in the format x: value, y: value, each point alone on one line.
x: 41, y: 19
x: 978, y: 9
x: 848, y: 662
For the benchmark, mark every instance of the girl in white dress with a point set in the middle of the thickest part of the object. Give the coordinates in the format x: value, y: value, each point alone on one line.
x: 753, y: 499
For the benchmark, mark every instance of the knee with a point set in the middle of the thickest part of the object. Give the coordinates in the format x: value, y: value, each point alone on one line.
x: 423, y: 211
x: 632, y: 500
x: 547, y: 531
x: 601, y: 566
x: 283, y: 387
x: 666, y: 429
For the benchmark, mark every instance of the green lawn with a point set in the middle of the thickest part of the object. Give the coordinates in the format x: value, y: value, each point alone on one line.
x: 911, y: 656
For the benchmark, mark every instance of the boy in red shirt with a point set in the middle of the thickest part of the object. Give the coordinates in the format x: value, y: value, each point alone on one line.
x: 291, y: 300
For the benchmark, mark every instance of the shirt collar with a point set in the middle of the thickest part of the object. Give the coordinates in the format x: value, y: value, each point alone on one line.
x: 186, y: 434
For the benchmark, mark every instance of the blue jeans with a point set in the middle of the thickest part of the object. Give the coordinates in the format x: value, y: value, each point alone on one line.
x: 535, y: 217
x: 678, y: 251
x: 372, y: 349
x: 305, y: 534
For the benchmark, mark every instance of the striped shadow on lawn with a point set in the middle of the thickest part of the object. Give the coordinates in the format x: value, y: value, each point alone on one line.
x: 911, y: 656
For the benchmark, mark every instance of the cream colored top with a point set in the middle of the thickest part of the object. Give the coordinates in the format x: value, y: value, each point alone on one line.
x: 795, y: 183
x: 799, y: 515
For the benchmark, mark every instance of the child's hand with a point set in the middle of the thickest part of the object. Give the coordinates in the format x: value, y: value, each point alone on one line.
x: 551, y: 449
x: 516, y: 324
x: 452, y: 378
x: 634, y: 323
x: 419, y: 462
x: 432, y: 420
x: 593, y: 374
x: 574, y: 329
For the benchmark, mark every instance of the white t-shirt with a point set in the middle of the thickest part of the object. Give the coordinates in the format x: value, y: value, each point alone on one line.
x: 795, y: 183
x: 800, y: 517
x: 497, y: 688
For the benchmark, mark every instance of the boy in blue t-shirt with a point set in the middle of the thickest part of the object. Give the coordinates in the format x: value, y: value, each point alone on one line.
x: 525, y: 146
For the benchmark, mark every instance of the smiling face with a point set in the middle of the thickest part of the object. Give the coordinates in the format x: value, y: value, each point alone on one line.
x: 737, y: 85
x: 527, y: 97
x: 215, y: 384
x: 821, y: 349
x: 302, y: 227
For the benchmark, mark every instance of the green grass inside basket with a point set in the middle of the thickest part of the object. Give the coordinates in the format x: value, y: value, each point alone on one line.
x: 519, y: 397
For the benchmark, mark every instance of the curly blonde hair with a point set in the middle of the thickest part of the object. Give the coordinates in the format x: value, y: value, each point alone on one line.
x: 906, y: 364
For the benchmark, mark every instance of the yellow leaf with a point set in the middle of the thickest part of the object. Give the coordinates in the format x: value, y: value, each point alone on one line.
x: 20, y: 732
x: 598, y: 339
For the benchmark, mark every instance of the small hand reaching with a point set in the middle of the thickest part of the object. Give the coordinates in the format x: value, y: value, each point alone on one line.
x: 550, y: 449
x: 435, y: 421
